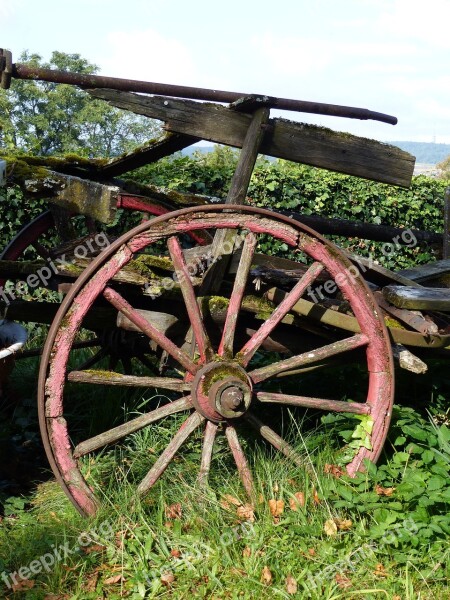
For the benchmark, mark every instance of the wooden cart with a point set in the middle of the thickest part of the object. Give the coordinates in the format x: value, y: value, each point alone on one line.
x: 184, y: 304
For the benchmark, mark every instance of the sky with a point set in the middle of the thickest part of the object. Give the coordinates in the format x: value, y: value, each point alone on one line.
x: 390, y: 56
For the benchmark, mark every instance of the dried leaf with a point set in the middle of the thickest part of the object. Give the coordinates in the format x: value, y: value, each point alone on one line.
x: 276, y: 489
x: 167, y: 578
x: 380, y: 571
x: 382, y: 491
x: 311, y: 552
x: 238, y: 572
x: 232, y: 500
x: 173, y: 511
x: 247, y: 552
x: 266, y: 576
x: 246, y: 513
x: 276, y: 507
x: 330, y: 527
x: 334, y: 470
x: 344, y: 524
x: 260, y: 499
x: 23, y: 584
x: 113, y: 580
x: 297, y: 500
x: 343, y: 581
x: 316, y: 498
x: 119, y: 538
x: 291, y: 585
x: 91, y: 582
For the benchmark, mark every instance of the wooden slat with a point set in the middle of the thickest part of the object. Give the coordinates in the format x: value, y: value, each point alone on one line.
x: 418, y: 298
x: 153, y: 151
x: 293, y: 141
x: 378, y: 274
x: 428, y: 271
x: 236, y: 195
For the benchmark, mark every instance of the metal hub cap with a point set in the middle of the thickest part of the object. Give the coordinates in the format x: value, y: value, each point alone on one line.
x: 221, y: 391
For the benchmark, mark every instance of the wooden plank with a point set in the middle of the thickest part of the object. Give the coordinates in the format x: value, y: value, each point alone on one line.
x: 418, y: 298
x: 247, y: 158
x: 376, y: 273
x: 236, y: 195
x: 428, y: 271
x: 360, y: 229
x: 298, y: 142
x: 326, y: 316
x: 413, y: 318
x: 151, y: 152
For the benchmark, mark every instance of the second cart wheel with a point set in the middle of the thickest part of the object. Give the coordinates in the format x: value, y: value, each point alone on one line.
x: 224, y: 372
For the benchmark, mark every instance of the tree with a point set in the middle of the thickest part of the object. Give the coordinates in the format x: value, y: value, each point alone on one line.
x: 444, y: 168
x: 42, y: 118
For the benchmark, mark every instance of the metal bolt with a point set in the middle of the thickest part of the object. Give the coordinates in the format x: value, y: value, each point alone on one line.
x: 232, y: 397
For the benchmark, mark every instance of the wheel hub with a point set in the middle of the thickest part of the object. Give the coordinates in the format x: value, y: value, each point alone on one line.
x: 221, y: 391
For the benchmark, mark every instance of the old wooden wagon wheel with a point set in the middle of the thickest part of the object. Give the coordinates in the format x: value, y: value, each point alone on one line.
x: 217, y: 382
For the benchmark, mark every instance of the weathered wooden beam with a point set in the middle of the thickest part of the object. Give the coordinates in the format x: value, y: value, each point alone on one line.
x: 407, y: 360
x: 360, y: 229
x: 426, y: 272
x: 151, y: 152
x: 236, y: 195
x: 412, y: 318
x: 327, y: 316
x: 378, y: 274
x: 74, y: 194
x: 298, y: 142
x: 421, y: 298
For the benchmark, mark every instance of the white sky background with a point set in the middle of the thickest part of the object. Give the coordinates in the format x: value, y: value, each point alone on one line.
x: 391, y: 56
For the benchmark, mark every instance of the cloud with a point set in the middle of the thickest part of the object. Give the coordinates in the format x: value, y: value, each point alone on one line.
x: 418, y: 21
x: 9, y: 9
x: 147, y: 55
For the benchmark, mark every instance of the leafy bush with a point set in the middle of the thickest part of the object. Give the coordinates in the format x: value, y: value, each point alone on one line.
x: 312, y: 191
x: 287, y: 186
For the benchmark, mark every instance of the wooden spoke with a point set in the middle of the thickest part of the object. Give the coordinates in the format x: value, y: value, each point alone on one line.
x: 119, y: 432
x: 90, y: 362
x: 241, y: 461
x: 191, y: 423
x: 273, y: 438
x: 150, y: 330
x: 208, y: 443
x: 42, y: 251
x: 144, y: 361
x: 313, y: 356
x: 111, y: 378
x: 280, y: 312
x: 229, y: 329
x: 319, y: 403
x: 190, y: 300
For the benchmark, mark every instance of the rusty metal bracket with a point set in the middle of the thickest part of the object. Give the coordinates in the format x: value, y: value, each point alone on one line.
x: 5, y: 69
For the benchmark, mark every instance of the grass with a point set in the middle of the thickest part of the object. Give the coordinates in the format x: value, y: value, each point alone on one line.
x: 308, y: 534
